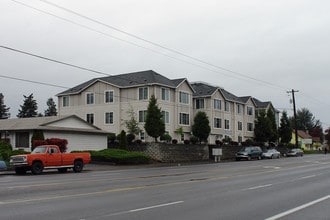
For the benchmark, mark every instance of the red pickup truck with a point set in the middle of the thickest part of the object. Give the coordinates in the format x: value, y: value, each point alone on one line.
x: 49, y: 157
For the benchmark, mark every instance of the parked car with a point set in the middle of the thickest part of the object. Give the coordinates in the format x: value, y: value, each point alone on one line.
x: 3, y: 165
x: 295, y: 152
x: 271, y: 153
x: 249, y: 153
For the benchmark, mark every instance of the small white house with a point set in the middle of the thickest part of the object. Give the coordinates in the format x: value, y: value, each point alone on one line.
x: 79, y: 134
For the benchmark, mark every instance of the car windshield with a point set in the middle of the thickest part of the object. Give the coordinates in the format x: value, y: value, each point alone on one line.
x: 39, y: 150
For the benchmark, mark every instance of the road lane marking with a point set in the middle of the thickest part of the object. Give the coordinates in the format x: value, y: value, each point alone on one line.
x: 144, y: 208
x: 307, y: 177
x: 280, y: 215
x: 259, y: 187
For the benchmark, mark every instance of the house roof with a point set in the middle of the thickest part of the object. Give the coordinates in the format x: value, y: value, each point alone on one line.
x: 47, y: 123
x: 260, y: 104
x: 127, y: 80
x: 304, y: 135
x: 203, y: 89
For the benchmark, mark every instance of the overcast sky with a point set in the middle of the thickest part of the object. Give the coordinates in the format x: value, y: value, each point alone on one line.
x: 256, y: 48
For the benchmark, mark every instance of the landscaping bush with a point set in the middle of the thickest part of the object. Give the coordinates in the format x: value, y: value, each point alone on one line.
x: 174, y: 141
x: 193, y: 139
x: 186, y: 141
x: 5, y: 150
x: 119, y: 156
x: 166, y: 137
x: 130, y: 138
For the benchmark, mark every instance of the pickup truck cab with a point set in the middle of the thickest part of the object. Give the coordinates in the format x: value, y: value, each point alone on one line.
x: 49, y: 157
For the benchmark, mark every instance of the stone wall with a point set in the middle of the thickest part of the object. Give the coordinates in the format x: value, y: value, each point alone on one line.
x: 173, y: 153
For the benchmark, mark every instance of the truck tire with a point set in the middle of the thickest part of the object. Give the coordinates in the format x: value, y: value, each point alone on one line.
x: 78, y: 166
x: 20, y: 170
x: 37, y: 168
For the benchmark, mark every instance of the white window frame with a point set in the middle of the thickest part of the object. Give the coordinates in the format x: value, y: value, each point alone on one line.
x: 227, y: 106
x: 249, y: 126
x: 227, y: 124
x: 165, y: 94
x: 217, y: 121
x: 184, y: 97
x: 143, y: 93
x: 166, y: 117
x: 183, y: 117
x: 200, y: 103
x: 90, y: 98
x: 66, y: 101
x: 109, y: 94
x: 142, y: 116
x: 217, y: 104
x: 249, y: 110
x: 240, y: 126
x: 90, y: 118
x: 108, y: 118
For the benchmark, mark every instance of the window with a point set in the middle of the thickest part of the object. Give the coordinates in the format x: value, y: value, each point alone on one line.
x: 66, y: 102
x: 227, y: 106
x: 143, y: 93
x: 239, y: 109
x: 239, y: 126
x: 90, y: 98
x: 109, y: 117
x: 217, y: 104
x: 184, y: 97
x: 108, y: 96
x: 250, y: 126
x: 142, y: 135
x: 217, y: 122
x: 184, y: 119
x: 227, y: 126
x: 142, y: 116
x: 166, y: 117
x: 249, y: 110
x: 199, y: 103
x: 90, y: 118
x: 165, y: 94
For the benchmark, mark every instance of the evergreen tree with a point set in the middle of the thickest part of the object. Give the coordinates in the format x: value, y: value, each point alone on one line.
x: 154, y: 125
x: 29, y: 108
x: 122, y: 140
x: 132, y: 124
x: 274, y: 133
x: 285, y: 130
x: 201, y: 127
x: 51, y: 110
x: 263, y: 128
x: 4, y: 111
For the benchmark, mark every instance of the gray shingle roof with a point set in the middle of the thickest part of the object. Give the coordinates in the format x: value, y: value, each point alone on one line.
x: 202, y: 89
x: 148, y: 77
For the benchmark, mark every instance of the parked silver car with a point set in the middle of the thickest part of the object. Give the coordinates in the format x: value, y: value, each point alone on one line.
x: 3, y: 165
x: 271, y: 153
x: 295, y: 152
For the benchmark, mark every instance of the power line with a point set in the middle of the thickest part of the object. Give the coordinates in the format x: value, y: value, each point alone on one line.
x: 150, y: 42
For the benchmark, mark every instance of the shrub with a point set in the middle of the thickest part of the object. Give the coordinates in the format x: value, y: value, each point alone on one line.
x: 5, y: 150
x: 166, y: 137
x: 111, y: 137
x: 193, y: 139
x: 138, y: 141
x: 130, y: 138
x: 37, y: 135
x: 174, y: 141
x: 61, y: 143
x: 218, y: 142
x: 119, y: 156
x: 122, y: 140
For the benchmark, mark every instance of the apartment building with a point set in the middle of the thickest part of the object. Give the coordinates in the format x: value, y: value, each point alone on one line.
x: 228, y: 114
x: 107, y: 101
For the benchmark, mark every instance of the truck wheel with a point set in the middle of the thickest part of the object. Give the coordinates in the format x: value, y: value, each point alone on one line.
x: 37, y: 168
x: 78, y: 166
x: 62, y: 170
x: 20, y: 170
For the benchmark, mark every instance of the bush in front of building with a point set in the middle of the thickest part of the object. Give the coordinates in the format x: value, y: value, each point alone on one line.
x: 119, y: 156
x: 5, y: 150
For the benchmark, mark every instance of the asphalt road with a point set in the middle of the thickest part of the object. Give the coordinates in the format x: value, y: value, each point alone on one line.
x: 286, y: 188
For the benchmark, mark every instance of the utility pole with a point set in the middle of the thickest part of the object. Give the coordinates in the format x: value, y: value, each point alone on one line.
x: 294, y: 114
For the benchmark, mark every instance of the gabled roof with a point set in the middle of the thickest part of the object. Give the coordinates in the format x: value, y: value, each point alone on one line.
x: 260, y: 104
x: 203, y: 89
x: 47, y: 123
x: 127, y: 80
x: 304, y: 135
